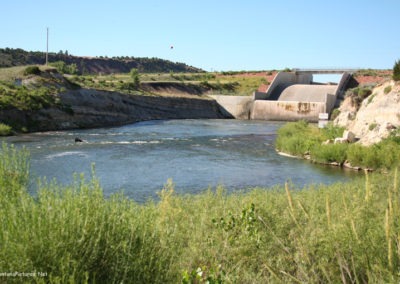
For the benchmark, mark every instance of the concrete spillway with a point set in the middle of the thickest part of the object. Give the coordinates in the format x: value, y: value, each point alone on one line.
x: 307, y: 93
x: 290, y: 96
x: 294, y: 96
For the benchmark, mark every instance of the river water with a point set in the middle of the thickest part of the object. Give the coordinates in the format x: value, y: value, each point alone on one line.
x: 138, y: 159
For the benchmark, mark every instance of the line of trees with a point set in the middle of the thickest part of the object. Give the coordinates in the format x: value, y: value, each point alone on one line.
x: 88, y: 65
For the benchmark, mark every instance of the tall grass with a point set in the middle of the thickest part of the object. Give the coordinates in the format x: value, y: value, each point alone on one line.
x: 319, y: 234
x: 301, y: 138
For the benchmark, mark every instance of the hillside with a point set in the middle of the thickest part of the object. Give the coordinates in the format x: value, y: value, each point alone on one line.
x: 94, y: 65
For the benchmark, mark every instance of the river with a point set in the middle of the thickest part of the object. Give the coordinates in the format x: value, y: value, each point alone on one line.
x: 138, y: 159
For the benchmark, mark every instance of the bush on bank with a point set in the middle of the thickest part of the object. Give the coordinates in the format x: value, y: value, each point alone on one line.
x: 301, y: 138
x: 321, y: 234
x: 5, y: 129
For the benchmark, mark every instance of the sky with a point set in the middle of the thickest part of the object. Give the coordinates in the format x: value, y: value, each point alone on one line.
x: 215, y: 35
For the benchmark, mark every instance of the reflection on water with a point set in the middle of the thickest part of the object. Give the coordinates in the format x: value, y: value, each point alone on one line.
x: 196, y: 154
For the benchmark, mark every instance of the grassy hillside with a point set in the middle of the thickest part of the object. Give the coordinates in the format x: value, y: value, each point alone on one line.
x: 320, y: 234
x: 207, y: 83
x: 28, y: 89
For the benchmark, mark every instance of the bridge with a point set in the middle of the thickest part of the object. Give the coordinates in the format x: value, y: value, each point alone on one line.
x: 324, y: 71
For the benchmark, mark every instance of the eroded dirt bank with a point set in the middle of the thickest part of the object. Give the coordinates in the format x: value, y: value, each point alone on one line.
x: 89, y: 108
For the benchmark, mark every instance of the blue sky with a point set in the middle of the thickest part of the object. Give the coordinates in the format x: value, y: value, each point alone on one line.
x: 215, y: 35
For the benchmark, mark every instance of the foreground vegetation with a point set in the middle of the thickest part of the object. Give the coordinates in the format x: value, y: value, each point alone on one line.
x: 304, y: 139
x: 321, y: 234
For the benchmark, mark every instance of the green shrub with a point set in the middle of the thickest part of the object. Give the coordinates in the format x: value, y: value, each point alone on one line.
x: 370, y: 99
x: 387, y: 90
x: 372, y: 126
x: 5, y: 129
x: 388, y: 151
x: 358, y: 94
x: 364, y: 93
x: 335, y: 113
x: 297, y: 138
x: 329, y: 153
x: 32, y: 70
x: 331, y: 131
x: 385, y: 154
x: 357, y: 155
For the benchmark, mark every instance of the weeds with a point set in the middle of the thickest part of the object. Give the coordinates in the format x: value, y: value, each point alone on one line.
x: 319, y: 234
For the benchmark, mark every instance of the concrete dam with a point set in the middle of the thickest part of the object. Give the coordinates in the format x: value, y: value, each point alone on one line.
x: 291, y: 96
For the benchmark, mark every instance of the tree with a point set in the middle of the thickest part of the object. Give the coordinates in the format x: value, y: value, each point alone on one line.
x: 396, y: 71
x: 63, y: 68
x: 135, y: 78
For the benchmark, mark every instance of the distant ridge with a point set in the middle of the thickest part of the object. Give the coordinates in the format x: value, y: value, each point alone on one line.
x: 94, y: 65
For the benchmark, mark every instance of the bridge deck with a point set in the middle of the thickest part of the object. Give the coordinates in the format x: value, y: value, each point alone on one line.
x: 324, y: 71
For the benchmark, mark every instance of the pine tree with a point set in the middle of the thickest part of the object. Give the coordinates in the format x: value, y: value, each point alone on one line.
x: 135, y: 78
x: 396, y: 71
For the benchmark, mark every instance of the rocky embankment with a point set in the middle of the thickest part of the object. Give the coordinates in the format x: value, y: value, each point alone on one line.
x: 378, y: 116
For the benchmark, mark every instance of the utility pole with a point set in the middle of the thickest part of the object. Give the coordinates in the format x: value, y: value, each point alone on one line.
x: 47, y: 48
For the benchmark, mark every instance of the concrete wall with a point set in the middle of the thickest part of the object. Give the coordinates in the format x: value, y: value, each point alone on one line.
x: 343, y: 82
x: 330, y: 102
x: 289, y: 78
x: 259, y: 95
x: 238, y: 107
x: 287, y: 111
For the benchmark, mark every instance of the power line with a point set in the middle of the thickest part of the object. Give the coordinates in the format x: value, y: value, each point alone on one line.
x: 47, y: 47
